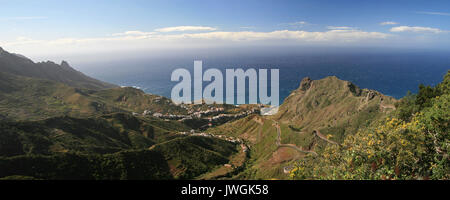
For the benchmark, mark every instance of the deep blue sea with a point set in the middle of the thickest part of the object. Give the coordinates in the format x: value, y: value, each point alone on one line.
x: 393, y: 74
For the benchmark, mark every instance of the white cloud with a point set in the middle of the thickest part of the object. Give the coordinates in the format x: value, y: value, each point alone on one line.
x: 185, y: 28
x: 305, y: 36
x: 133, y: 33
x: 435, y: 13
x: 388, y: 23
x: 416, y: 29
x: 340, y: 27
x: 133, y: 40
x: 330, y: 36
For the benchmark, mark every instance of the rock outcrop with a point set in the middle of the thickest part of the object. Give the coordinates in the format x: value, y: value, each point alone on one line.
x: 22, y: 66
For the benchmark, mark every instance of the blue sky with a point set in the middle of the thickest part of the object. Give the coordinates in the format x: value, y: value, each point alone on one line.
x: 105, y: 25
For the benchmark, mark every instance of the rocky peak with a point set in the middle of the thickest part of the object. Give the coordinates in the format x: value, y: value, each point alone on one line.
x: 2, y: 51
x: 305, y: 84
x: 354, y: 89
x: 330, y: 102
x: 61, y: 72
x: 47, y: 62
x: 65, y: 64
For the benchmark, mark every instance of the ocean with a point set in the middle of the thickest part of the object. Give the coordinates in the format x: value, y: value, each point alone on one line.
x: 392, y: 74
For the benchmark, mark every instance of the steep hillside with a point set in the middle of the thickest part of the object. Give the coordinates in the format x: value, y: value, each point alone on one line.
x: 332, y: 106
x: 318, y: 114
x: 136, y: 100
x: 185, y: 158
x: 189, y: 157
x: 56, y: 123
x: 25, y: 98
x: 31, y: 98
x: 410, y: 143
x: 20, y: 65
x: 104, y: 134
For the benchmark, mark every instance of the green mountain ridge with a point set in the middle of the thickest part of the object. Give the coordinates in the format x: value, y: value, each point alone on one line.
x: 57, y: 124
x: 184, y: 158
x: 32, y: 98
x: 321, y: 124
x: 333, y: 106
x: 20, y: 65
x: 47, y: 149
x: 54, y: 123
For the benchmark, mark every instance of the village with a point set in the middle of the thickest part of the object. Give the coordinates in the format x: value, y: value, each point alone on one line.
x: 212, y: 114
x: 231, y: 139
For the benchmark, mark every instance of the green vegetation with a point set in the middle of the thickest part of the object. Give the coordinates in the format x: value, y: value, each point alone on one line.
x: 105, y: 134
x: 24, y: 98
x: 107, y: 147
x: 56, y: 123
x: 291, y: 136
x: 333, y: 106
x: 261, y: 137
x: 123, y: 165
x: 412, y: 143
x: 135, y: 100
x: 376, y: 140
x: 192, y: 156
x: 186, y: 158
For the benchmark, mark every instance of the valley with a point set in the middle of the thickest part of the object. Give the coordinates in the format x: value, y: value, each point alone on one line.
x: 57, y: 123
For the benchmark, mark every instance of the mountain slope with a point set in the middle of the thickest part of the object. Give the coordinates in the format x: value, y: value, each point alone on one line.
x: 333, y: 106
x: 411, y: 143
x: 186, y: 157
x: 318, y: 114
x: 19, y: 65
x: 105, y: 134
x: 26, y: 98
x: 56, y: 123
x: 115, y: 146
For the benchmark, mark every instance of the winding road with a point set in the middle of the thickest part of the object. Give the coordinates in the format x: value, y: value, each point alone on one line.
x: 321, y: 136
x: 279, y: 145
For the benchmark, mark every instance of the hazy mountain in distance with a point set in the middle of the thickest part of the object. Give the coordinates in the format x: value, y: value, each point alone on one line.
x: 20, y: 65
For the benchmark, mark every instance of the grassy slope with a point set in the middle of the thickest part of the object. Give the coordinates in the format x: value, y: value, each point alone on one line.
x: 186, y: 157
x: 24, y: 98
x: 57, y: 123
x: 69, y: 120
x: 105, y: 134
x: 261, y: 137
x: 332, y: 106
x: 135, y: 100
x: 189, y: 157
